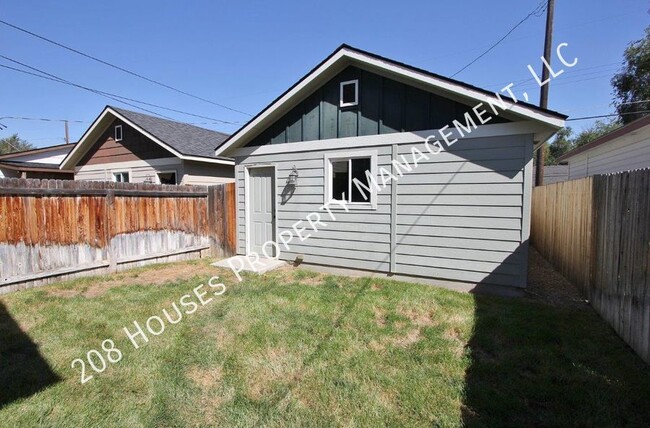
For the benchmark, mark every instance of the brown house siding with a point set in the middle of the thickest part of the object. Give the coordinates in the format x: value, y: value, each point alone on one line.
x: 133, y: 146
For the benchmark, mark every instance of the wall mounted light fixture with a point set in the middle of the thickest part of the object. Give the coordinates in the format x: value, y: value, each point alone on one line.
x: 292, y: 179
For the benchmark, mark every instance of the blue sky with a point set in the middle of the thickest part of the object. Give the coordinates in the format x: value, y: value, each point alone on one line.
x: 244, y: 54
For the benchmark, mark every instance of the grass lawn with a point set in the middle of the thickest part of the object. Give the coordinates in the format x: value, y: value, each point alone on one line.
x: 296, y: 348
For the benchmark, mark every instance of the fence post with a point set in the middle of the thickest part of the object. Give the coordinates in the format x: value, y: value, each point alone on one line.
x: 215, y: 205
x: 109, y: 226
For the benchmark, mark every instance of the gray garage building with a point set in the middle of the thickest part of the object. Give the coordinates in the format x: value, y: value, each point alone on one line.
x: 450, y: 173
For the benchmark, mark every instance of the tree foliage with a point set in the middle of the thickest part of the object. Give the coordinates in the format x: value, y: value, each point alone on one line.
x: 565, y: 140
x: 13, y: 144
x: 632, y: 83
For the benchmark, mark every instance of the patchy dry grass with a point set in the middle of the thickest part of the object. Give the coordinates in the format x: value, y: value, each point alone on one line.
x: 299, y: 348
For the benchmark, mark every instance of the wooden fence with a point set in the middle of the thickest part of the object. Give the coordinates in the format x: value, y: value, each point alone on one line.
x: 596, y: 231
x: 52, y: 228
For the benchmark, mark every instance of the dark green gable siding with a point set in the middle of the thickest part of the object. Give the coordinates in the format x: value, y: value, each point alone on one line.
x: 385, y: 106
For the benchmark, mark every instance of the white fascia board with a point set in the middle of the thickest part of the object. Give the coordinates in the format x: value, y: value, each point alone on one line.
x: 516, y: 108
x: 483, y: 131
x: 207, y: 160
x: 77, y: 148
x: 266, y: 113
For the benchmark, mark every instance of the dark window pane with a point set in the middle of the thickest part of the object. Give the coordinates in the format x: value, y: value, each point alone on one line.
x: 349, y: 93
x: 359, y: 168
x: 167, y: 177
x: 340, y: 177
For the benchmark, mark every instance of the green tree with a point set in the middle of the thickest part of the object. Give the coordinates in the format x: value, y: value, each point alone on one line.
x: 632, y: 83
x: 13, y: 144
x: 560, y: 145
x: 565, y: 140
x: 598, y: 129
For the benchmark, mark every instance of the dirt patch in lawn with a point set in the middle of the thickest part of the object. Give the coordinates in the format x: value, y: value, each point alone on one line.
x: 273, y: 366
x: 547, y: 285
x: 205, y: 379
x: 154, y: 276
x: 417, y: 316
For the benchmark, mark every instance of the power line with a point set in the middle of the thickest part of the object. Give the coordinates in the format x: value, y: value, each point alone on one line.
x: 83, y: 87
x: 608, y: 115
x: 124, y: 70
x: 44, y: 119
x: 609, y: 66
x: 49, y: 76
x: 541, y: 7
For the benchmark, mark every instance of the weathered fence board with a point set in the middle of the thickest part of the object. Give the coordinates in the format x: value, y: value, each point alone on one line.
x: 596, y: 231
x: 51, y: 226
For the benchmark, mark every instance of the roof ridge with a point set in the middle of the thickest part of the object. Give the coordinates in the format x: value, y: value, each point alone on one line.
x: 119, y: 109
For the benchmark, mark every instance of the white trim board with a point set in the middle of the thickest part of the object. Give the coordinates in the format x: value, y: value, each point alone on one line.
x: 97, y: 124
x: 344, y: 57
x: 482, y: 131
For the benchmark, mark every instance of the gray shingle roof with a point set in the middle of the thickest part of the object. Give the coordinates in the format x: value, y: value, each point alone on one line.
x: 185, y: 138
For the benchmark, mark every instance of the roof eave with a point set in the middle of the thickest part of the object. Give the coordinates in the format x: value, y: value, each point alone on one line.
x: 345, y: 55
x: 80, y: 150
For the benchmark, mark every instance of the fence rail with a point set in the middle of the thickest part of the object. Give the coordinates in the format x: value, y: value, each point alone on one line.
x: 54, y: 228
x: 596, y: 231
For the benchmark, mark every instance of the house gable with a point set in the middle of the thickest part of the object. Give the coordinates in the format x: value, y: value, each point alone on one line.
x: 545, y: 122
x: 133, y: 146
x: 384, y: 106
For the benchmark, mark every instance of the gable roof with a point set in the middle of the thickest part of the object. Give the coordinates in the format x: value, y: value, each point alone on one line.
x: 70, y: 146
x: 347, y: 55
x: 32, y: 166
x: 182, y: 140
x: 630, y: 127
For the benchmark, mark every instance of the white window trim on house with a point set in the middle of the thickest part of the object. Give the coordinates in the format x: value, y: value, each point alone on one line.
x: 167, y: 171
x: 114, y: 176
x: 342, y: 156
x: 115, y: 133
x: 356, y: 93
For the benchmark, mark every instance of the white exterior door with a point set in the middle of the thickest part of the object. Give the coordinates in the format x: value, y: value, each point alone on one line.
x: 261, y: 227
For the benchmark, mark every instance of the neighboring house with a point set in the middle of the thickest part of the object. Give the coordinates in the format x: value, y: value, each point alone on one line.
x: 625, y: 149
x: 126, y: 146
x: 42, y: 163
x: 463, y: 215
x: 554, y: 173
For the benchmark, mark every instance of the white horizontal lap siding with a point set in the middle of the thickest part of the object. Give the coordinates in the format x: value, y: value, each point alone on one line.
x: 359, y: 238
x: 139, y: 171
x: 625, y: 153
x: 460, y: 213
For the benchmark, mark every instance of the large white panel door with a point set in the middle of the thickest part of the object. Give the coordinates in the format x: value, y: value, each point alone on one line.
x: 262, y: 209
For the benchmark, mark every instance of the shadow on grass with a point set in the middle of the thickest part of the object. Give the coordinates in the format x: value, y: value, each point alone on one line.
x: 23, y: 371
x: 534, y: 364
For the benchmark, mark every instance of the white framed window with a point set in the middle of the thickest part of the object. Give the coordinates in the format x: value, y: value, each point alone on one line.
x: 166, y: 177
x: 118, y: 132
x: 349, y: 93
x: 121, y: 177
x: 347, y: 178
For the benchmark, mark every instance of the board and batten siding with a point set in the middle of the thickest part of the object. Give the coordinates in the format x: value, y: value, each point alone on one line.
x: 459, y: 216
x: 385, y: 106
x: 625, y: 153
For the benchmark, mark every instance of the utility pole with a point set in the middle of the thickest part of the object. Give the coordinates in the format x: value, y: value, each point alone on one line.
x: 67, y: 134
x: 543, y: 94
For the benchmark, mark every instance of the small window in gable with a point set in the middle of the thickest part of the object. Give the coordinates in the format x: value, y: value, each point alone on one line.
x: 118, y: 133
x: 349, y: 93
